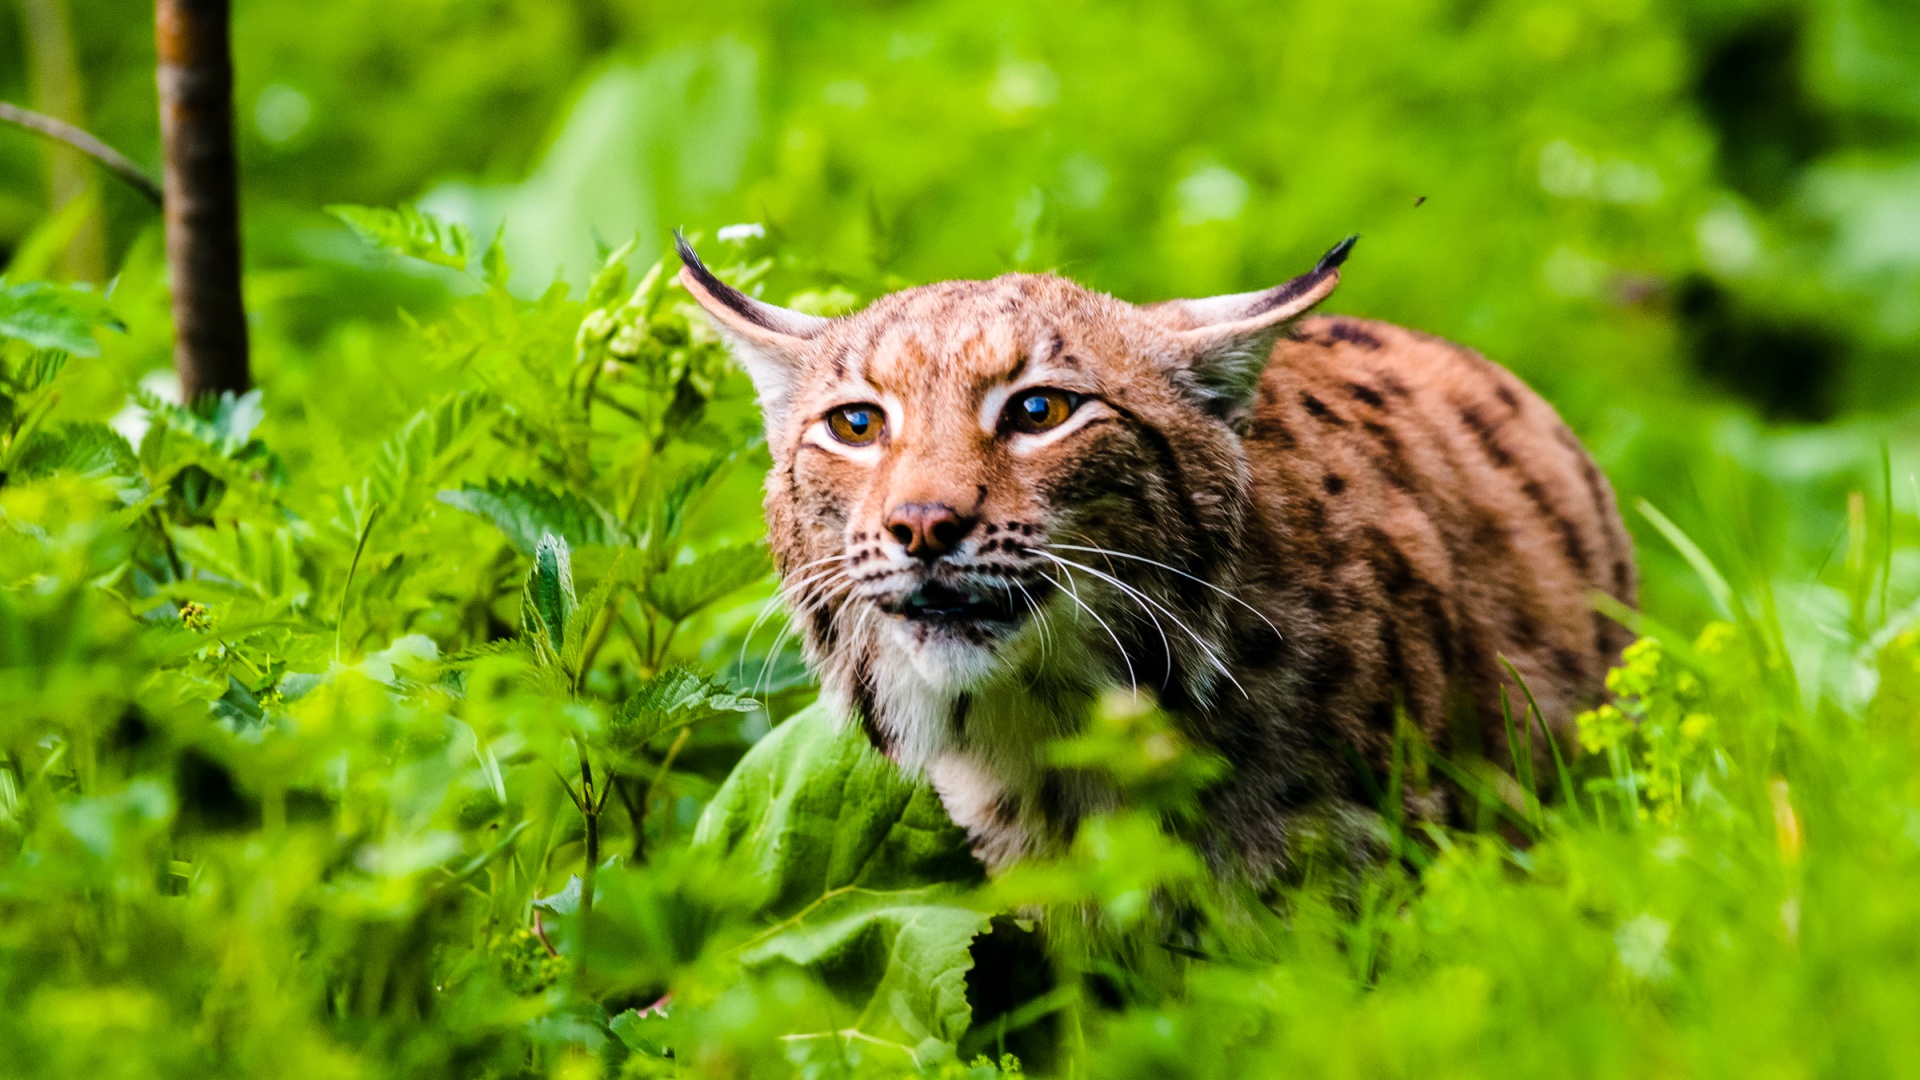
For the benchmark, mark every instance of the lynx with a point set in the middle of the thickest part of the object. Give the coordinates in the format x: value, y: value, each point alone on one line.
x: 992, y: 501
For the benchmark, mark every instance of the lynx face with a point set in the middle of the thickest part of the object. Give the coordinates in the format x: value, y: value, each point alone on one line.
x: 958, y: 460
x: 991, y: 501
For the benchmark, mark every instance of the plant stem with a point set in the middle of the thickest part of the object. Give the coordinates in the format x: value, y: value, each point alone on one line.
x: 108, y: 158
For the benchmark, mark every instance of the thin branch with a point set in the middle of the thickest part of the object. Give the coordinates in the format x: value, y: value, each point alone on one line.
x: 108, y: 158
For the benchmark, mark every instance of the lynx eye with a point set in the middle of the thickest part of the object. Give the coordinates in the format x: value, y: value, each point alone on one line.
x: 1035, y: 411
x: 856, y: 425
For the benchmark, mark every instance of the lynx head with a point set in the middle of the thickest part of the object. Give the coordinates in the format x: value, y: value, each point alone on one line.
x: 958, y: 459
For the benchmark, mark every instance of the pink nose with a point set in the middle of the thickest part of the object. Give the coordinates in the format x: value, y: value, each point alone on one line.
x: 928, y: 530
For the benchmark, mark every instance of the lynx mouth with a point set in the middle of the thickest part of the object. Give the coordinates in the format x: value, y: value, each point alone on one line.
x: 940, y: 605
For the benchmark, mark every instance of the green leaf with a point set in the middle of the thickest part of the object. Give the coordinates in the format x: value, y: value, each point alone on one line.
x: 48, y: 316
x: 899, y: 957
x: 429, y: 443
x: 863, y: 869
x: 223, y: 424
x: 674, y: 698
x: 88, y: 448
x: 38, y: 369
x: 813, y: 808
x: 547, y: 600
x: 525, y: 511
x: 684, y: 589
x: 564, y: 902
x: 411, y: 232
x: 493, y: 262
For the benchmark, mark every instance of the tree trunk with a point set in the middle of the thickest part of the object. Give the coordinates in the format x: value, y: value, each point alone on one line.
x: 202, y: 196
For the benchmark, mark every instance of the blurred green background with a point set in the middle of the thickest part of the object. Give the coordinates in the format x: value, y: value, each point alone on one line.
x: 1694, y: 224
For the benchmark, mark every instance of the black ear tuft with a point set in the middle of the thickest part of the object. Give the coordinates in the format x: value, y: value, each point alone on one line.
x: 739, y: 302
x: 1336, y: 255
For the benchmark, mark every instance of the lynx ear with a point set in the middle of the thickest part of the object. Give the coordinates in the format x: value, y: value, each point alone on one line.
x: 770, y: 342
x: 1224, y: 341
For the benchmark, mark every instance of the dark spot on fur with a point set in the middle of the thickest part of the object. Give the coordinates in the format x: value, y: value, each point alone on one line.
x: 1055, y: 809
x: 1526, y: 632
x: 1380, y: 715
x: 1487, y: 434
x: 1332, y: 669
x: 962, y: 705
x: 1353, y: 334
x: 1392, y: 385
x: 1363, y: 392
x: 1333, y: 484
x: 1005, y: 809
x: 1567, y: 663
x: 1268, y: 427
x: 1506, y: 397
x: 1393, y: 462
x: 1257, y: 647
x: 1319, y: 408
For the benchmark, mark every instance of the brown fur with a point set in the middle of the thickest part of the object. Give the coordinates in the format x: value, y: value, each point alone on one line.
x: 1378, y: 516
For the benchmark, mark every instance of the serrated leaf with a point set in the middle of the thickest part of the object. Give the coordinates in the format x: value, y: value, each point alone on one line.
x: 48, y: 316
x: 87, y: 448
x: 409, y: 231
x: 38, y: 369
x: 223, y: 424
x: 547, y: 600
x: 579, y: 622
x: 684, y: 589
x: 673, y: 495
x: 525, y: 511
x: 676, y: 697
x: 429, y: 443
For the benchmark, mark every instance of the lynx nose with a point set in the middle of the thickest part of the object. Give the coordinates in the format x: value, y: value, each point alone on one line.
x: 928, y: 530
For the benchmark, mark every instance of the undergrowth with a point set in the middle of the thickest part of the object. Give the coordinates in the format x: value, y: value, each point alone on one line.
x: 460, y: 739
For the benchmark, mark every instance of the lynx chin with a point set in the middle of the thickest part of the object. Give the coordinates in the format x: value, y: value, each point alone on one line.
x: 991, y: 501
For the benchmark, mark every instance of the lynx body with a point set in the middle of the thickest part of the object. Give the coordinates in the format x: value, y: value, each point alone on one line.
x: 991, y: 501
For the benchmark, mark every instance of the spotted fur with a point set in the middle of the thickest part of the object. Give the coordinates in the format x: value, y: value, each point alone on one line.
x: 1289, y: 530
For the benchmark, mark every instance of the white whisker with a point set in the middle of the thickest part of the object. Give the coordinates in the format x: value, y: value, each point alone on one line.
x: 1073, y: 593
x: 1144, y: 600
x: 1174, y: 570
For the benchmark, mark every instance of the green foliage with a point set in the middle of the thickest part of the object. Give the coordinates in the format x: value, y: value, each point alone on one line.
x: 401, y: 718
x: 407, y: 231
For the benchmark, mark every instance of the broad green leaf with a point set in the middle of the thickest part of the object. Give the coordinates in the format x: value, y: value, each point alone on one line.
x: 48, y: 316
x: 525, y: 511
x: 686, y: 588
x: 864, y: 870
x: 411, y: 232
x: 899, y: 958
x: 674, y: 698
x: 813, y: 808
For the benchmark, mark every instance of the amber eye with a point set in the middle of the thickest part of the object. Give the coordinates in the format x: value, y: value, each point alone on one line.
x: 856, y: 425
x: 1040, y: 410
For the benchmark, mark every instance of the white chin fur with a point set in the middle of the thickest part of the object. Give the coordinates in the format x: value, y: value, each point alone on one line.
x: 945, y: 662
